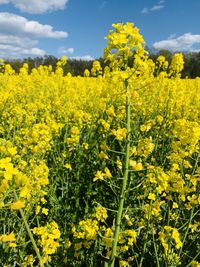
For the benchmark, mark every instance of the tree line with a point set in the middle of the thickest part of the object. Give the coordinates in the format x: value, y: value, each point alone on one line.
x: 77, y: 67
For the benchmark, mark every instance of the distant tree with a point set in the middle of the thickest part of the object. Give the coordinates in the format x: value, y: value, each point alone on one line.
x: 50, y: 60
x: 77, y: 67
x: 192, y: 65
x: 16, y: 64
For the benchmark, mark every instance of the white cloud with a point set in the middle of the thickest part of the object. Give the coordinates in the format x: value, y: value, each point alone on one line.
x: 160, y: 5
x: 145, y: 10
x: 18, y: 25
x: 157, y: 7
x: 184, y: 42
x: 103, y: 4
x: 86, y: 57
x: 17, y: 41
x: 37, y: 6
x: 64, y: 50
x: 12, y: 51
x: 19, y: 36
x: 16, y: 47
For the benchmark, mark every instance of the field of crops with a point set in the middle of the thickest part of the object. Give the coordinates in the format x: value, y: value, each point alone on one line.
x: 102, y: 170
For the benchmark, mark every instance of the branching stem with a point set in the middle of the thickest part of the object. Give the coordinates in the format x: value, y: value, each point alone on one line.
x: 124, y: 181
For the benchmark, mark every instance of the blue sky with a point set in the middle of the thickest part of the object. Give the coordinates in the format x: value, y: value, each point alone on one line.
x: 77, y: 28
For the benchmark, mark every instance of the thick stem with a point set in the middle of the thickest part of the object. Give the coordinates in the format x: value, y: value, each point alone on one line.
x: 124, y: 182
x: 30, y: 234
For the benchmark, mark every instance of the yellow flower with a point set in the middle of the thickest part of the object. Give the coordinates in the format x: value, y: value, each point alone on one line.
x: 68, y: 166
x: 135, y: 166
x: 101, y: 214
x: 195, y: 264
x: 111, y: 111
x: 12, y: 151
x: 107, y: 173
x: 131, y: 235
x: 29, y: 260
x: 123, y: 263
x: 120, y: 133
x: 12, y: 245
x: 98, y: 176
x: 102, y: 155
x: 48, y: 235
x: 175, y: 205
x: 176, y: 237
x: 152, y: 196
x: 37, y: 210
x: 8, y: 238
x: 19, y: 204
x: 45, y: 211
x: 85, y: 146
x: 68, y: 243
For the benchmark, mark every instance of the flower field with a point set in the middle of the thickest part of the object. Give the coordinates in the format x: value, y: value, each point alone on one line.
x: 101, y: 170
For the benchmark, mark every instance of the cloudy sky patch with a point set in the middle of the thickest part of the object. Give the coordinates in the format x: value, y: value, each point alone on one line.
x: 184, y: 42
x: 19, y: 36
x: 37, y: 6
x: 158, y: 6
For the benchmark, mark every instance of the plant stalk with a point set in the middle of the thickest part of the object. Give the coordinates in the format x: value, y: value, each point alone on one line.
x: 124, y: 181
x: 30, y: 234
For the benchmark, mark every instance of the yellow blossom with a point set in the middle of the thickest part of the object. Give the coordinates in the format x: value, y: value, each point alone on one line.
x: 68, y: 166
x: 19, y: 204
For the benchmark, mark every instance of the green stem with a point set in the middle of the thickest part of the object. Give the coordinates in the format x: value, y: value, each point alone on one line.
x: 197, y: 255
x: 30, y: 234
x: 124, y: 182
x: 155, y: 249
x: 186, y: 232
x: 143, y: 252
x: 146, y: 236
x: 196, y: 163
